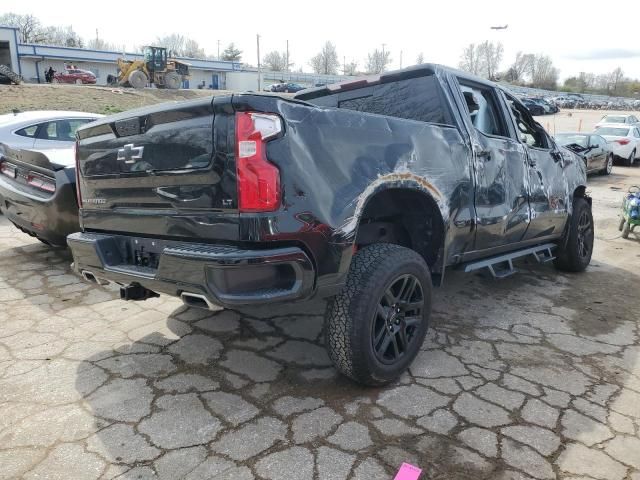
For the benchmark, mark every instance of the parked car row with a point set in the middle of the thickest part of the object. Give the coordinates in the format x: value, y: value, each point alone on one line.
x: 580, y: 102
x: 540, y: 106
x: 285, y: 87
x: 608, y: 143
x: 38, y: 184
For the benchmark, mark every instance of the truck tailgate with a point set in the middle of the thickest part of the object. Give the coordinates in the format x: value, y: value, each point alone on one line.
x: 164, y: 171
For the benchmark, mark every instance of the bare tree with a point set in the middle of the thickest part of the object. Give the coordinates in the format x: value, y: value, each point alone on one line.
x: 420, y: 59
x: 326, y: 62
x: 30, y: 28
x: 542, y: 72
x: 617, y: 77
x: 521, y: 66
x: 231, y: 53
x: 62, y: 36
x: 470, y: 60
x: 377, y: 61
x: 174, y: 43
x: 490, y: 56
x: 192, y: 49
x: 100, y: 44
x: 350, y: 68
x: 275, y: 61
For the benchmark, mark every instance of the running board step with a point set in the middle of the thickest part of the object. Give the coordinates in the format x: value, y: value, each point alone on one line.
x: 501, y: 266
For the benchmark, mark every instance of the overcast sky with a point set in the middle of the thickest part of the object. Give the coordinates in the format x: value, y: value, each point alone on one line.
x: 578, y: 35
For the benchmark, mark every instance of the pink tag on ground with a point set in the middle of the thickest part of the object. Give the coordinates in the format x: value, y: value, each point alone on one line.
x: 408, y: 472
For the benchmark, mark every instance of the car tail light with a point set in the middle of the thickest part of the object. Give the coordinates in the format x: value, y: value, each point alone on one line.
x: 41, y: 182
x: 8, y: 169
x: 623, y: 141
x: 76, y: 152
x: 258, y: 179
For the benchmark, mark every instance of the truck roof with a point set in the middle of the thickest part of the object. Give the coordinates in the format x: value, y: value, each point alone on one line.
x: 391, y: 76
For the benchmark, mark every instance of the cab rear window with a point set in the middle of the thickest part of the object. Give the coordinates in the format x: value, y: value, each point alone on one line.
x: 417, y: 98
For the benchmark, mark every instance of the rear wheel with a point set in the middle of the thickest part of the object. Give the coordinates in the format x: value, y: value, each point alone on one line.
x: 377, y: 324
x: 622, y: 222
x: 78, y: 81
x: 626, y: 229
x: 575, y: 254
x: 137, y: 79
x: 608, y: 166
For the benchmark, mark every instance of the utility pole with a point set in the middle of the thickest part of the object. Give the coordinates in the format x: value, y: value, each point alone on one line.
x: 400, y: 58
x: 344, y: 65
x: 258, y: 43
x: 286, y: 68
x: 383, y: 59
x: 218, y: 49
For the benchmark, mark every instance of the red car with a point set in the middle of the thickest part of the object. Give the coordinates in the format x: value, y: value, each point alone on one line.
x: 74, y: 75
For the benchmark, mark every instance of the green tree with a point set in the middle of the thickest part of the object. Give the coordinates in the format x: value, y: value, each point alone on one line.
x: 231, y: 53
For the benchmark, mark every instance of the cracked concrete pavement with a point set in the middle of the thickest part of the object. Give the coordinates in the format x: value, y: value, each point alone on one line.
x: 536, y: 377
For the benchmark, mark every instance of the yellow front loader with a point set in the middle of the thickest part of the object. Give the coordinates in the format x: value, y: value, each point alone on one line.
x: 155, y: 69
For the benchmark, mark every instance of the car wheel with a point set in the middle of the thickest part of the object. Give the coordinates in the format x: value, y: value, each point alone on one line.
x: 78, y: 81
x: 375, y: 327
x: 632, y: 159
x: 575, y: 254
x: 626, y: 229
x: 622, y: 222
x: 55, y: 80
x: 608, y: 166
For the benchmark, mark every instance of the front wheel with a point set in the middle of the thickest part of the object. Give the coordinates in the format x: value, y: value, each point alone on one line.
x: 377, y: 324
x: 575, y: 254
x: 608, y: 166
x: 626, y: 229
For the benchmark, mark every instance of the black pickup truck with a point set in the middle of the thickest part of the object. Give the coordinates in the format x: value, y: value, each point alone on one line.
x: 364, y: 192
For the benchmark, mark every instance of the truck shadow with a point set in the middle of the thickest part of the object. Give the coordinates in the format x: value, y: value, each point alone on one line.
x: 219, y: 380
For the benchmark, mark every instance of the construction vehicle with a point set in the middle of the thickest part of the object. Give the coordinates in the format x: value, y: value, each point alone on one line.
x: 156, y: 68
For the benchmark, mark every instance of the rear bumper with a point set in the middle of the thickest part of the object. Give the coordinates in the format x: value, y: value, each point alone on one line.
x: 50, y: 219
x: 215, y: 274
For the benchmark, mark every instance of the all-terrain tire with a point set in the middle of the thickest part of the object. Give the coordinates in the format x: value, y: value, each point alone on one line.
x: 351, y: 315
x: 575, y: 253
x: 622, y: 222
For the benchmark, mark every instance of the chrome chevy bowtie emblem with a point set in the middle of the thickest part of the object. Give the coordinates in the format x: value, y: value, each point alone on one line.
x: 130, y: 153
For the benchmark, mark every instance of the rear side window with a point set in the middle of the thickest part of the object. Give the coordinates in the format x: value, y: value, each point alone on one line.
x: 412, y: 99
x: 28, y: 131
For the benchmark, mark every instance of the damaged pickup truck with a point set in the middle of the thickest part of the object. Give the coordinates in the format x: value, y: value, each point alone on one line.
x: 362, y: 192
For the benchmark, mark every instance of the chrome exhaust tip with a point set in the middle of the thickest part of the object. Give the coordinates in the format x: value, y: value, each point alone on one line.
x: 197, y: 300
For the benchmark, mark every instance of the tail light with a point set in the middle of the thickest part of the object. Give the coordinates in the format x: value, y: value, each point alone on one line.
x: 76, y: 152
x: 41, y: 182
x: 623, y: 141
x: 258, y: 179
x: 8, y: 169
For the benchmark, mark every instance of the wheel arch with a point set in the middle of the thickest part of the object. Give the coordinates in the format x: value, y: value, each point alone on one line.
x: 413, y: 211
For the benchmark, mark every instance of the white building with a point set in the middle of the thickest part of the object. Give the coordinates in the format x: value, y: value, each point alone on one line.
x: 32, y: 60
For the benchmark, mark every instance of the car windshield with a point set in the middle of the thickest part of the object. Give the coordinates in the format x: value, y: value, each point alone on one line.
x: 614, y: 119
x: 613, y: 131
x: 569, y: 138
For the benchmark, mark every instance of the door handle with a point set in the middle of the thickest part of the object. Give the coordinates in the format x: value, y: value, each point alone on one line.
x: 486, y: 154
x: 557, y: 156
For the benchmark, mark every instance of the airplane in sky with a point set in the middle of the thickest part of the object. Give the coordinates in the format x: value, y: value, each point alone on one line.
x: 503, y: 27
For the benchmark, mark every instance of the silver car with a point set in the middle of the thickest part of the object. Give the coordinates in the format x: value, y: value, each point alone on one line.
x: 42, y: 130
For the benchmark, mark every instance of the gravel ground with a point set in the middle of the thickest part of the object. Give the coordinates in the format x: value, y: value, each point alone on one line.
x: 537, y: 377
